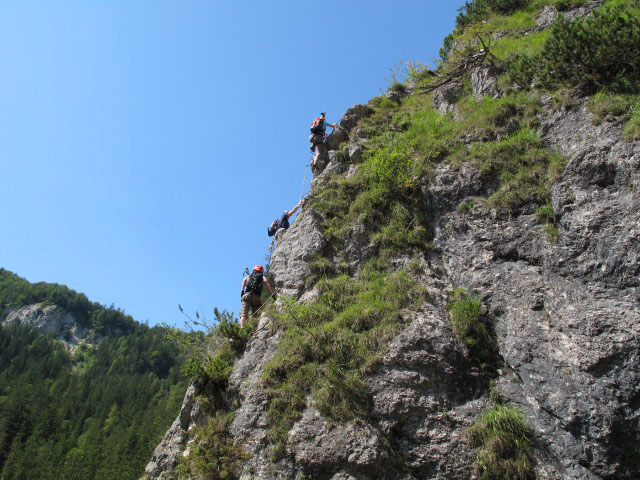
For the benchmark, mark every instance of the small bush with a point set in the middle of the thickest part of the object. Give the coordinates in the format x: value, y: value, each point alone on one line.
x: 551, y: 231
x: 402, y: 231
x: 548, y: 217
x: 504, y: 443
x: 607, y: 107
x: 468, y: 320
x: 595, y: 52
x: 465, y: 207
x: 490, y: 118
x: 320, y: 267
x: 212, y: 371
x: 546, y: 214
x: 466, y: 316
x: 525, y: 168
x: 631, y: 131
x: 215, y: 455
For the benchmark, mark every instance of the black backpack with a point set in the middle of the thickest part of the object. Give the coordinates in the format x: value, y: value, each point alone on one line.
x: 317, y: 128
x: 254, y: 284
x: 271, y: 231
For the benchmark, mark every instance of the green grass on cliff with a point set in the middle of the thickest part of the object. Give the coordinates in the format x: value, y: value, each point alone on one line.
x: 612, y: 107
x: 211, y: 355
x: 329, y: 344
x: 503, y: 442
x: 214, y: 456
x: 470, y: 325
x: 383, y: 200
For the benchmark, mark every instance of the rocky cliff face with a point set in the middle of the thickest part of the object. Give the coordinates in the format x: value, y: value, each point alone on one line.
x: 54, y: 321
x: 565, y: 312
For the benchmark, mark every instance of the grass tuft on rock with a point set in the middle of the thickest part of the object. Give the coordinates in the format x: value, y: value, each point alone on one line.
x: 214, y: 455
x: 470, y: 324
x: 504, y: 443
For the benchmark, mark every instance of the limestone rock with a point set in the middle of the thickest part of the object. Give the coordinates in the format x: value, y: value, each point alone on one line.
x: 483, y: 81
x: 445, y: 97
x: 54, y: 321
x: 336, y: 137
x: 355, y: 152
x: 353, y: 115
x: 546, y: 18
x: 165, y: 456
x: 297, y: 246
x: 566, y: 317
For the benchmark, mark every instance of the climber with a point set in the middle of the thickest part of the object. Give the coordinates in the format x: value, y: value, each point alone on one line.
x: 251, y: 292
x: 281, y: 224
x: 318, y: 138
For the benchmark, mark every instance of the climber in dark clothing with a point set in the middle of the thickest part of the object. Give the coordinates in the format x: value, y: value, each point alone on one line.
x: 281, y: 224
x: 318, y: 137
x: 251, y: 292
x: 283, y: 221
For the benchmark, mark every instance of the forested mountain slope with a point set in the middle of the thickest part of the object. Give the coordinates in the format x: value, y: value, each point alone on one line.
x: 79, y: 406
x: 460, y: 295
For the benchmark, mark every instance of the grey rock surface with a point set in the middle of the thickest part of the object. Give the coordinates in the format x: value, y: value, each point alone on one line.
x: 483, y: 81
x: 568, y: 314
x: 54, y: 321
x: 445, y: 97
x: 172, y: 446
x: 550, y: 14
x: 297, y: 246
x: 566, y: 317
x: 353, y: 115
x: 336, y: 137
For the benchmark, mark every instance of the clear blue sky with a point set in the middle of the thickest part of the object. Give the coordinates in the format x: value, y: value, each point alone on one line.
x: 145, y: 146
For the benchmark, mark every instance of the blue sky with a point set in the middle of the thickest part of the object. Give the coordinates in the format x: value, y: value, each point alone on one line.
x: 145, y: 146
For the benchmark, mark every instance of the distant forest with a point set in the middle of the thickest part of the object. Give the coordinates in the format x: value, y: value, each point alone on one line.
x: 18, y: 292
x: 95, y: 414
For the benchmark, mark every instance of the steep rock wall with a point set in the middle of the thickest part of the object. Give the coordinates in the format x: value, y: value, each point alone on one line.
x: 566, y: 316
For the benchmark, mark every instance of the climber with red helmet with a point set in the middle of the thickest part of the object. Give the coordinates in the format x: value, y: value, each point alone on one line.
x: 251, y: 292
x: 318, y: 138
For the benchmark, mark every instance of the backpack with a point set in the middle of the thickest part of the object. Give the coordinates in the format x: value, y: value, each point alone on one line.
x: 317, y: 128
x: 271, y: 231
x: 254, y: 284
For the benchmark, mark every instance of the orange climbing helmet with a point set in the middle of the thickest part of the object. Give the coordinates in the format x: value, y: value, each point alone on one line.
x: 258, y: 268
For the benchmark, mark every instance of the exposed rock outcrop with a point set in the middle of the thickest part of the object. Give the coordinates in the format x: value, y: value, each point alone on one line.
x: 173, y: 444
x: 566, y: 315
x: 54, y: 321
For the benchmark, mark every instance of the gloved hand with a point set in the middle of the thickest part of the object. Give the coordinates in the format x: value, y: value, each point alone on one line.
x: 275, y: 296
x: 241, y: 294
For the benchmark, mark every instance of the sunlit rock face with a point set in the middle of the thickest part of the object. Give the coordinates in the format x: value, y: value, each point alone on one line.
x: 566, y: 315
x: 54, y: 321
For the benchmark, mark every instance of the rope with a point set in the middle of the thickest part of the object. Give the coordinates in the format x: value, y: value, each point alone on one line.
x: 304, y: 180
x: 297, y: 321
x: 263, y: 304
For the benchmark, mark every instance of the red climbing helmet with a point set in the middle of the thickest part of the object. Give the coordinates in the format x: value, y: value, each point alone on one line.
x: 258, y: 268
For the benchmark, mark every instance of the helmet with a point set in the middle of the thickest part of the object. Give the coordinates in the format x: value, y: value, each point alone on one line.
x: 258, y: 268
